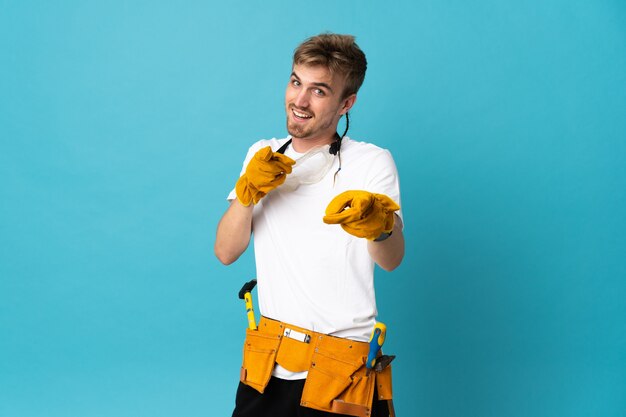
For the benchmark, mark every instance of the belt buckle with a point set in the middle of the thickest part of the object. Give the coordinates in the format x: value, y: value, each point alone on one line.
x: 296, y: 335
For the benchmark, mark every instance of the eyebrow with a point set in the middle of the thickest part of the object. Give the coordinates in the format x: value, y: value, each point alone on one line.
x: 293, y: 74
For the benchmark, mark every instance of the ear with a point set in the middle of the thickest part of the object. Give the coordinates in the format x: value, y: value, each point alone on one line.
x: 347, y: 104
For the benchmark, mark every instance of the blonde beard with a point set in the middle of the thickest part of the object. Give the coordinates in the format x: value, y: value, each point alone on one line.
x: 304, y: 132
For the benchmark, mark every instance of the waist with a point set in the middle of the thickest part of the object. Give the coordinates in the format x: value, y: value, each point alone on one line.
x: 298, y: 344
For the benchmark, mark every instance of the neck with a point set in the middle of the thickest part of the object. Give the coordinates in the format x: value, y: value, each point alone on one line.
x: 303, y: 145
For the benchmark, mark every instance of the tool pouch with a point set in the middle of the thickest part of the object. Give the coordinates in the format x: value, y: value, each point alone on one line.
x: 338, y: 382
x: 383, y: 384
x: 333, y: 378
x: 259, y: 356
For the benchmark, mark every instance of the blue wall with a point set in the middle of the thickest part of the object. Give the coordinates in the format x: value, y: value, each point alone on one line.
x: 123, y: 126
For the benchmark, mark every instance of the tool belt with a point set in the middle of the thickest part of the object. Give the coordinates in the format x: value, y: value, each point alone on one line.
x: 337, y: 380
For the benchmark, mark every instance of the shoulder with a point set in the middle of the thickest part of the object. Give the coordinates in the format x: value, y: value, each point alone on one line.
x: 364, y: 151
x: 273, y: 143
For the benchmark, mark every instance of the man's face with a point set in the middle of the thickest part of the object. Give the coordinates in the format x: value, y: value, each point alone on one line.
x: 314, y: 104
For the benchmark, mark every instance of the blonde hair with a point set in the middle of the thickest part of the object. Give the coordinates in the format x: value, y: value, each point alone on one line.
x: 339, y: 53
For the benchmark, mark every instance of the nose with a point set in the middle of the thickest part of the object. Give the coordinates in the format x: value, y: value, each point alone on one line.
x: 301, y: 100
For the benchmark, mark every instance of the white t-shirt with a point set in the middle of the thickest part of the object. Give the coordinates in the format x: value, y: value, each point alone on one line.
x: 311, y: 274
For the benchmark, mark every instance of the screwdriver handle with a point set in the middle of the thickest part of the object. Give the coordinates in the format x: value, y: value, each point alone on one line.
x: 376, y: 342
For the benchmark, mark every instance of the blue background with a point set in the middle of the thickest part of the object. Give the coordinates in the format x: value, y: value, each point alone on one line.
x: 123, y: 126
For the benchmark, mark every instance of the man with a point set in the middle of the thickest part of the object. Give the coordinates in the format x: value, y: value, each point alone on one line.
x: 323, y: 209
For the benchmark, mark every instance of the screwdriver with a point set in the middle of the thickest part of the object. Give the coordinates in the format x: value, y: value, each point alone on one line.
x: 376, y: 342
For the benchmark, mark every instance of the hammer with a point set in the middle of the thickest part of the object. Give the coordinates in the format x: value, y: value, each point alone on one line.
x: 245, y: 293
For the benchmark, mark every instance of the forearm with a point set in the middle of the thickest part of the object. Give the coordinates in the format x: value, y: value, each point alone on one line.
x: 389, y: 253
x: 233, y: 232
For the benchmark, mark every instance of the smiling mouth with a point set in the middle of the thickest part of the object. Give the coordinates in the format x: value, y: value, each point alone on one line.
x: 299, y: 115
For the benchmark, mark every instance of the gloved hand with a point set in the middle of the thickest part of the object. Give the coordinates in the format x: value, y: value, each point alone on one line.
x: 361, y: 213
x: 265, y: 171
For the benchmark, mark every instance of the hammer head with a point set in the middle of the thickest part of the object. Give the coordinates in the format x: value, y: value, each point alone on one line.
x: 247, y: 287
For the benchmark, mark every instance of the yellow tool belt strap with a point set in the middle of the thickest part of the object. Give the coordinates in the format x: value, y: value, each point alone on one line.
x: 337, y: 380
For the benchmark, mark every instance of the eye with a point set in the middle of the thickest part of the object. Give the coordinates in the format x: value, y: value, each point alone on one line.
x: 295, y: 83
x: 319, y: 92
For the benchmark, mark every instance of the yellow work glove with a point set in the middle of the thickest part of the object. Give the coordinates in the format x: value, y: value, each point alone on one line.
x: 265, y: 171
x: 361, y: 213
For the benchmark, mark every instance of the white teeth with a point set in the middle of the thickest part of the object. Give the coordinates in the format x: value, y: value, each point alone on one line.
x: 301, y: 115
